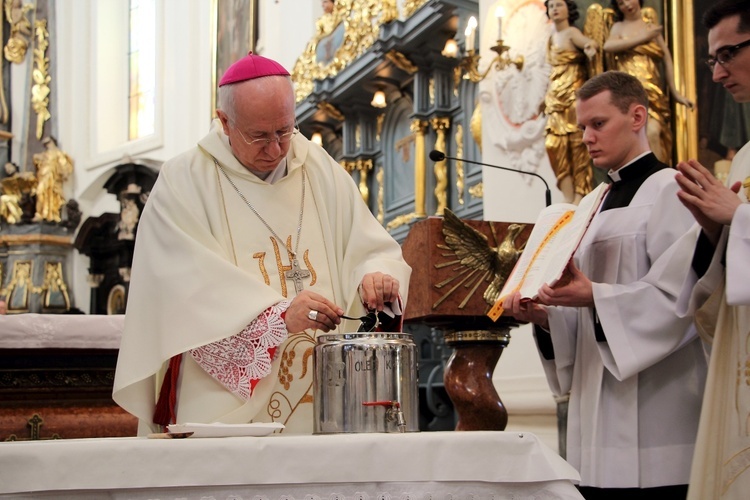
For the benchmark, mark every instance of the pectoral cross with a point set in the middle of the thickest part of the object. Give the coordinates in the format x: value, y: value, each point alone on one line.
x: 296, y: 273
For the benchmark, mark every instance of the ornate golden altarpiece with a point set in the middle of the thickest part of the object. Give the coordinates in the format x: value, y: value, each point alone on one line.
x: 363, y: 47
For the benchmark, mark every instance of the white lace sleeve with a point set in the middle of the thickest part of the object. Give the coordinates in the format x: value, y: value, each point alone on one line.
x: 239, y: 362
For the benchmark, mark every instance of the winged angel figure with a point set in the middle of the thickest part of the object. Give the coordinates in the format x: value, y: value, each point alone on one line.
x: 475, y: 261
x: 630, y: 38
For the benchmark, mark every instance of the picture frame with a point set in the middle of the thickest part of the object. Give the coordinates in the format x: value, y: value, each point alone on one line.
x: 235, y: 34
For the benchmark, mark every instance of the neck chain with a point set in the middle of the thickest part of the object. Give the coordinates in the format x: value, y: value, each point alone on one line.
x: 296, y: 273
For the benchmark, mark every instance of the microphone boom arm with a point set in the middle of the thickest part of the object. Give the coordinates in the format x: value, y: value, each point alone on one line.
x: 436, y: 155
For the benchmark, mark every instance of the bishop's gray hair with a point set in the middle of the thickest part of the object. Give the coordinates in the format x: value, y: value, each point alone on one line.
x: 226, y: 94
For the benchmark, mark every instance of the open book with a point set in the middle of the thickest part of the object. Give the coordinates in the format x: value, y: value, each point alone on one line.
x: 555, y: 237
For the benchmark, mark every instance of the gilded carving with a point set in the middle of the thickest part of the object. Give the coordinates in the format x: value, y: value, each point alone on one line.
x: 411, y: 6
x: 420, y: 167
x: 20, y: 30
x: 477, y: 190
x: 364, y: 167
x: 331, y: 110
x: 345, y: 33
x: 475, y: 125
x: 20, y: 287
x: 53, y: 167
x: 401, y: 61
x: 440, y: 125
x: 14, y: 188
x: 459, y: 138
x: 401, y: 220
x: 40, y: 90
x: 54, y: 291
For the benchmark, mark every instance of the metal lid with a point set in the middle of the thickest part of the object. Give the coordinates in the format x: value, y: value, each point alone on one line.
x: 364, y: 336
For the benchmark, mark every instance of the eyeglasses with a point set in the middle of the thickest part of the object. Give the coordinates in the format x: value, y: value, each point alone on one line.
x: 280, y: 138
x: 725, y: 54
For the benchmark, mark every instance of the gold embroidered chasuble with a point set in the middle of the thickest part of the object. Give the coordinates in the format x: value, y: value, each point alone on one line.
x: 721, y: 465
x: 187, y: 291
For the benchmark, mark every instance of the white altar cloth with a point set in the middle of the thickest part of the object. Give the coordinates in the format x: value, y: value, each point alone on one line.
x: 60, y: 331
x: 429, y: 465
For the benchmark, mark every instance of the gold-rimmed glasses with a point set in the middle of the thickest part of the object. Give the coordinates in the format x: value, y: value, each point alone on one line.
x: 265, y: 141
x: 725, y: 54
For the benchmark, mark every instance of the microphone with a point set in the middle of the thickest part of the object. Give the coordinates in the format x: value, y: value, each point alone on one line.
x: 436, y: 155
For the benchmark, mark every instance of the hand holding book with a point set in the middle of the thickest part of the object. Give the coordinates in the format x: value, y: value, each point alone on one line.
x: 551, y: 244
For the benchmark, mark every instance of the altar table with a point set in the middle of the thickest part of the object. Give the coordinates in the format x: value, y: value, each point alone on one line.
x: 60, y: 331
x: 56, y: 373
x: 429, y: 465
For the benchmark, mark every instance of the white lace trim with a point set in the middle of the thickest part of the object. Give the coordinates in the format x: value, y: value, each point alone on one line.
x: 238, y: 360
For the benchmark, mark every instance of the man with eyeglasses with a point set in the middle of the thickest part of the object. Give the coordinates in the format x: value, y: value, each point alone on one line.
x: 720, y: 299
x: 250, y: 245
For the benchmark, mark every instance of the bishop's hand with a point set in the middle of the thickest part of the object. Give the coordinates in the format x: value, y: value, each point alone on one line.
x: 310, y: 310
x: 376, y: 289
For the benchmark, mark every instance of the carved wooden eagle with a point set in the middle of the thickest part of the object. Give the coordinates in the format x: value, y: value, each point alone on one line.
x: 475, y: 261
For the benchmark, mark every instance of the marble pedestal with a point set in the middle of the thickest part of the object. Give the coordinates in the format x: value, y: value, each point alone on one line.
x: 468, y: 378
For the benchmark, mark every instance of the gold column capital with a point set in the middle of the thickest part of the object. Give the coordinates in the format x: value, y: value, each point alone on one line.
x: 440, y: 123
x: 418, y: 126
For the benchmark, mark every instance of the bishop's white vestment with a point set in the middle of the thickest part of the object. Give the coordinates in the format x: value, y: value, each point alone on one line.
x: 205, y: 267
x: 721, y: 467
x: 635, y: 394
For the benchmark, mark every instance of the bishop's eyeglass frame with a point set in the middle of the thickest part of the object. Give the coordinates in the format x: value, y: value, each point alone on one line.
x: 725, y: 54
x: 278, y: 138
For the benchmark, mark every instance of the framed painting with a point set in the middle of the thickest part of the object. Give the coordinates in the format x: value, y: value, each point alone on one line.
x: 235, y: 33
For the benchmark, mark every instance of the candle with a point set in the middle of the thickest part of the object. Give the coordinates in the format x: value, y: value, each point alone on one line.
x: 499, y: 13
x: 471, y: 27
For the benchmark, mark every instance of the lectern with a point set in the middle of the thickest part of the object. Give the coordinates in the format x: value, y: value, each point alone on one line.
x: 447, y: 289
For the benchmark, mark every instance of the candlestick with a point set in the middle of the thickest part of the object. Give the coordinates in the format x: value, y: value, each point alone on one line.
x: 470, y: 32
x: 499, y: 14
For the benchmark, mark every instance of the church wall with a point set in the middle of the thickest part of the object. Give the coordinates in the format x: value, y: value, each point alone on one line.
x: 285, y: 28
x: 90, y: 123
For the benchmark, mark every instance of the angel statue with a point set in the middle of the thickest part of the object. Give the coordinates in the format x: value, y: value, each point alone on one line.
x: 53, y: 167
x: 475, y: 260
x: 634, y: 44
x: 568, y: 52
x: 325, y: 24
x: 15, y: 188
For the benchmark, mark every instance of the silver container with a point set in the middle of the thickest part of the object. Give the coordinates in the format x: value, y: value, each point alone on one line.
x: 365, y: 382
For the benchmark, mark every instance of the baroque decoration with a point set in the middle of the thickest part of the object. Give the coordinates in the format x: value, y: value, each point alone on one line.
x: 341, y: 37
x: 40, y: 90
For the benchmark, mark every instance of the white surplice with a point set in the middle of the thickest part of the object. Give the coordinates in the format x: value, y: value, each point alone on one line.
x: 205, y: 266
x: 634, y: 399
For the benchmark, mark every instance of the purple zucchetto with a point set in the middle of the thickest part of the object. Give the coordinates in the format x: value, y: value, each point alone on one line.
x: 250, y: 67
